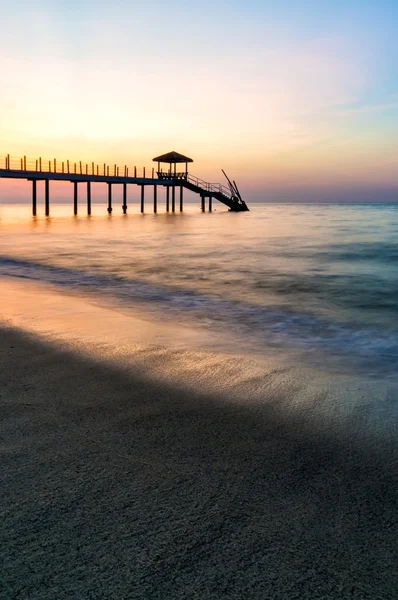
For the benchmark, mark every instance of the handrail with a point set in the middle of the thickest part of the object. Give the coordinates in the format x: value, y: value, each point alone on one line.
x: 209, y: 187
x: 67, y: 167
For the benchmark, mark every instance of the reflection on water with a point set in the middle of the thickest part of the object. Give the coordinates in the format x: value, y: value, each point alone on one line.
x: 319, y: 279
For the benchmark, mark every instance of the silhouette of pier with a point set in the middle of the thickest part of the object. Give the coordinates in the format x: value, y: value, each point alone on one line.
x: 88, y: 173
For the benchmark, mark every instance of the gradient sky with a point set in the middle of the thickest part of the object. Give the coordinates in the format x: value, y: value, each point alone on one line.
x: 296, y: 99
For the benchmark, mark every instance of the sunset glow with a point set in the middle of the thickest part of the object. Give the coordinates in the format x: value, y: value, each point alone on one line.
x: 285, y: 104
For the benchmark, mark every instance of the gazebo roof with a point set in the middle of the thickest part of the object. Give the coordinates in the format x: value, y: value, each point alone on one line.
x: 172, y: 157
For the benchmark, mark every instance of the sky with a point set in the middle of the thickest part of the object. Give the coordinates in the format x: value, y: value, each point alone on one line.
x: 297, y: 100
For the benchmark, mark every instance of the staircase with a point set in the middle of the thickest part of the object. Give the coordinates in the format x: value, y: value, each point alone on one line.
x: 228, y: 196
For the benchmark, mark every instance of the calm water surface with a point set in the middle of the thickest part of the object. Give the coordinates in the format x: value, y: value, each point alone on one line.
x: 318, y: 281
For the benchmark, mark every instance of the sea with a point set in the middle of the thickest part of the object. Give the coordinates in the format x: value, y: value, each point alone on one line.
x: 200, y: 405
x: 317, y: 283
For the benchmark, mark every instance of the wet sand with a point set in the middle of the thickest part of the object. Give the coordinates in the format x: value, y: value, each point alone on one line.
x: 120, y: 485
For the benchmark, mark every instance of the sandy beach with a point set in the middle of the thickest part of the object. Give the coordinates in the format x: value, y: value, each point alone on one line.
x: 199, y: 300
x: 119, y: 485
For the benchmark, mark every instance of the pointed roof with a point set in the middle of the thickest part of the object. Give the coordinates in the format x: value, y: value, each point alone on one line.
x: 172, y: 157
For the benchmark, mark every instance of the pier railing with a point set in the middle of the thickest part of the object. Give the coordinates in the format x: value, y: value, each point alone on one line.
x: 43, y: 165
x: 208, y: 187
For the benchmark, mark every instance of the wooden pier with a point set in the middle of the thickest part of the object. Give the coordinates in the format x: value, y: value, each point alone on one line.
x: 88, y: 173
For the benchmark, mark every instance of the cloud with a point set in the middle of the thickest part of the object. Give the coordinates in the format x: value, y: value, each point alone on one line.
x: 369, y: 108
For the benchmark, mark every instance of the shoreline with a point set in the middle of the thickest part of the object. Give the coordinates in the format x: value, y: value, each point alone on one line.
x: 173, y: 352
x: 190, y: 358
x: 119, y: 482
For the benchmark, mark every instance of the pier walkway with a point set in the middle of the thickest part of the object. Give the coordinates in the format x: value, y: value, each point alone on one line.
x: 88, y: 173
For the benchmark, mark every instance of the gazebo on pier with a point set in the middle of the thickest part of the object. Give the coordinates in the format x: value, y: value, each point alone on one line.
x: 172, y: 159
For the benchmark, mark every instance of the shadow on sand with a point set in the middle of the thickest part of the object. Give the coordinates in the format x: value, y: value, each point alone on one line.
x: 117, y: 488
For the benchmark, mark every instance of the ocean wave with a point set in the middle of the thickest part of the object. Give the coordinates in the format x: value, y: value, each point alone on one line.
x: 381, y: 252
x: 315, y: 336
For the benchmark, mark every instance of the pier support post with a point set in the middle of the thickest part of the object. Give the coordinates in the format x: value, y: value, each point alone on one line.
x: 34, y: 197
x: 124, y: 206
x: 89, y: 197
x: 181, y: 198
x: 47, y: 197
x: 173, y: 199
x: 210, y: 203
x: 109, y: 198
x: 142, y: 198
x: 155, y: 198
x: 167, y: 198
x: 203, y: 203
x: 75, y: 197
